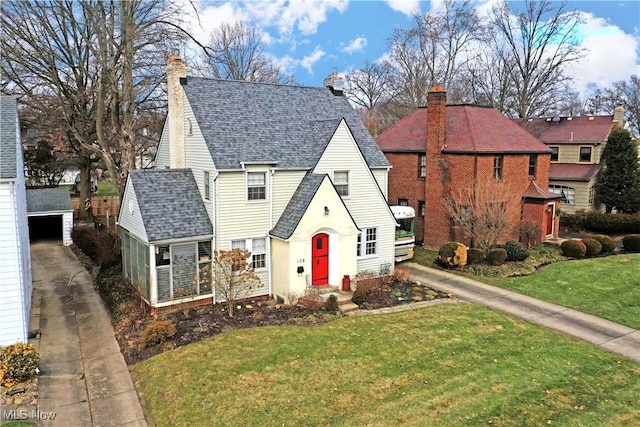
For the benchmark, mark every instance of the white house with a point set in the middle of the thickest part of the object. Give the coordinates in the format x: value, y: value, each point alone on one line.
x: 15, y: 268
x: 289, y: 173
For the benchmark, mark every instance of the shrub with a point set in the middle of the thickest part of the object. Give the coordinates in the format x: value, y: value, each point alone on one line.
x: 608, y: 244
x: 83, y: 237
x: 358, y: 296
x: 602, y: 222
x: 593, y: 247
x: 516, y: 251
x: 631, y: 243
x: 529, y: 233
x: 452, y: 254
x: 573, y: 248
x: 18, y: 362
x: 157, y: 331
x: 475, y: 256
x: 332, y: 303
x: 103, y: 247
x: 496, y: 256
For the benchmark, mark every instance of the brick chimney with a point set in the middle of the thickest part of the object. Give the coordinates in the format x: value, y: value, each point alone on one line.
x: 618, y: 116
x: 436, y: 222
x: 176, y: 71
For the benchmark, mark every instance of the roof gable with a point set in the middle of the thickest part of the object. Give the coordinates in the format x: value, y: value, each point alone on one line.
x: 170, y: 204
x: 469, y: 129
x: 245, y: 122
x: 583, y: 129
x: 8, y: 137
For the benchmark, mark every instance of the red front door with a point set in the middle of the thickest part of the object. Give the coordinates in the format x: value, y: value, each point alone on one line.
x: 549, y: 212
x: 320, y: 259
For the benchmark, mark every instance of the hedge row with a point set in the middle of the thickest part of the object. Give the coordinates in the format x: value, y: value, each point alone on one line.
x: 601, y: 222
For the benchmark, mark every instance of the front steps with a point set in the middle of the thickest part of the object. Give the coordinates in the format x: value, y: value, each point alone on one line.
x: 344, y: 298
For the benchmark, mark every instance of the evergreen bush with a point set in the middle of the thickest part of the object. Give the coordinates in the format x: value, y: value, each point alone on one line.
x: 516, y: 251
x: 573, y: 248
x: 452, y: 254
x: 475, y: 256
x: 157, y: 331
x: 593, y: 247
x: 631, y: 243
x: 332, y: 303
x: 497, y: 256
x: 608, y: 244
x: 18, y: 362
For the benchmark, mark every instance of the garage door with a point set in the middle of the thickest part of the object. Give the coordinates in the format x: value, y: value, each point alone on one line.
x: 45, y: 228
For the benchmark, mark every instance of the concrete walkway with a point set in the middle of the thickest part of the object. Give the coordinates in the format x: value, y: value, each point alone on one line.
x: 595, y: 330
x: 84, y: 379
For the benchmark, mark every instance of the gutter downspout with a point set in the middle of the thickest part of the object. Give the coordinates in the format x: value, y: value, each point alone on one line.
x: 268, y: 238
x: 215, y: 228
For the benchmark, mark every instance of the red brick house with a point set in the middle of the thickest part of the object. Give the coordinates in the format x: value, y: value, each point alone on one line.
x: 441, y: 147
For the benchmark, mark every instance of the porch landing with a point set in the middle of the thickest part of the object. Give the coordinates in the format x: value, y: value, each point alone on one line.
x: 344, y: 298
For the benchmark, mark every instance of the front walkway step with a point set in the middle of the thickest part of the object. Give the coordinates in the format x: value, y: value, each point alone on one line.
x: 348, y: 308
x: 344, y: 297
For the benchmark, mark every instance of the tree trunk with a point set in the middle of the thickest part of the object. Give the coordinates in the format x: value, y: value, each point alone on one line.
x: 85, y: 192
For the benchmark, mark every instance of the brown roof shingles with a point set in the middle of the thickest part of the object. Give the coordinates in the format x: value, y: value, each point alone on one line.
x: 469, y: 129
x: 571, y: 130
x: 573, y: 171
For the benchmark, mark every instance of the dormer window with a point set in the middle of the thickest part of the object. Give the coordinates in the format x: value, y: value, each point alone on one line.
x: 585, y: 154
x: 555, y: 151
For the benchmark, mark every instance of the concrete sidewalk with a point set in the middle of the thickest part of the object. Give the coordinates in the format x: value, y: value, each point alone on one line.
x: 595, y: 330
x: 84, y: 379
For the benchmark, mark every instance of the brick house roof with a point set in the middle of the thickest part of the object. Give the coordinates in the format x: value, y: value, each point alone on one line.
x: 573, y: 171
x: 571, y: 130
x: 469, y: 129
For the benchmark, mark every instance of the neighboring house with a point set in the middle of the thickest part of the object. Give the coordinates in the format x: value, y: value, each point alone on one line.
x: 50, y: 214
x: 576, y: 145
x: 15, y: 269
x: 441, y: 147
x: 289, y: 173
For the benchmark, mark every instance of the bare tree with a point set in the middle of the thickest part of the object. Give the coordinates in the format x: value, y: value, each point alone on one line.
x: 434, y: 50
x: 234, y: 277
x: 96, y: 63
x: 625, y: 94
x: 369, y: 87
x: 482, y: 212
x: 236, y: 52
x: 539, y: 43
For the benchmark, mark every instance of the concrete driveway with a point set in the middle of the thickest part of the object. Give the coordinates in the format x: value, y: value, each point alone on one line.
x: 84, y: 379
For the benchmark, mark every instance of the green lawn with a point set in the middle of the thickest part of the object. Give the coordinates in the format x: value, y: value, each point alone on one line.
x: 607, y: 287
x: 450, y: 364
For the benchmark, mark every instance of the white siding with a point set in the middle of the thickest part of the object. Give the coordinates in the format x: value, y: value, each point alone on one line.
x: 365, y: 202
x: 198, y: 158
x: 129, y: 217
x: 285, y: 184
x: 242, y: 219
x: 382, y: 178
x: 67, y: 225
x: 162, y: 156
x: 15, y: 268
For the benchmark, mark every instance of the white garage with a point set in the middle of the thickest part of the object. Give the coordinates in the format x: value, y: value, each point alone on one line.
x: 50, y: 214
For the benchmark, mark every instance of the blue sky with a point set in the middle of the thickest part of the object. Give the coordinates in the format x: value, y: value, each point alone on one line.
x: 310, y: 39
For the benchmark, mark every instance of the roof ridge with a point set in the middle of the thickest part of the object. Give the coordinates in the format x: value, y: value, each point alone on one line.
x: 254, y: 83
x: 472, y: 129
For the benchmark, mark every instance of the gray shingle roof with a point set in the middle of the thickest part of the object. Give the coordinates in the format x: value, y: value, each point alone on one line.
x: 48, y: 200
x: 297, y: 206
x: 256, y: 122
x: 8, y: 135
x: 170, y: 204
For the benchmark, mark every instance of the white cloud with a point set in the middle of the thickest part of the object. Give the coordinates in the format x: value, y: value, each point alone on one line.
x: 356, y: 45
x: 308, y: 61
x: 408, y: 7
x: 611, y: 55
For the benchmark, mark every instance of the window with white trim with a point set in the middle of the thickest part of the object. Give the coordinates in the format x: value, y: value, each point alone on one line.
x: 568, y: 193
x: 207, y: 187
x: 256, y: 186
x: 258, y: 249
x: 341, y: 182
x: 422, y: 166
x: 367, y: 242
